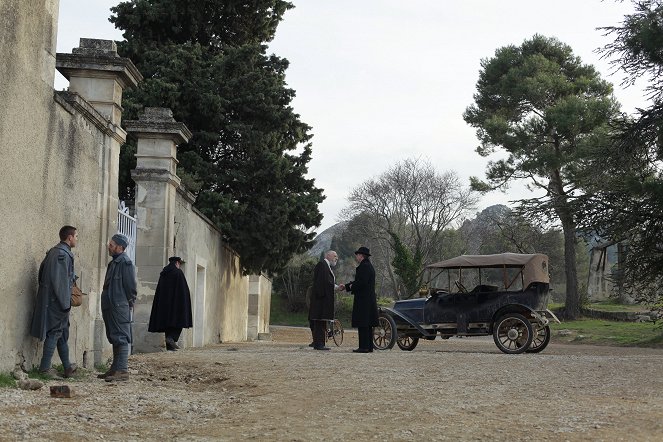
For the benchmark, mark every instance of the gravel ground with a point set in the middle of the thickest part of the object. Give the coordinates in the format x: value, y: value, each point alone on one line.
x: 459, y: 389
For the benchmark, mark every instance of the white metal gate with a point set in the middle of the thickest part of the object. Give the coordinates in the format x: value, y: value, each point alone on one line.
x: 126, y: 224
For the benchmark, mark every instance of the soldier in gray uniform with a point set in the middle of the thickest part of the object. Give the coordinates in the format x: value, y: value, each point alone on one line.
x: 117, y: 301
x: 50, y: 320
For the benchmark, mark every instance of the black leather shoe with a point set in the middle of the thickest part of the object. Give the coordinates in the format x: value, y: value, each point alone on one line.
x: 361, y: 350
x: 311, y: 344
x: 171, y: 344
x: 321, y: 348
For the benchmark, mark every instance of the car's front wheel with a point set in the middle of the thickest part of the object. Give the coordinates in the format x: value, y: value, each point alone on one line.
x: 384, y: 335
x: 513, y: 333
x: 407, y: 343
x: 540, y: 340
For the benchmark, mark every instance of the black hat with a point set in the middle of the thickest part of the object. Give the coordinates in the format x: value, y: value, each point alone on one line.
x: 364, y: 251
x: 176, y: 258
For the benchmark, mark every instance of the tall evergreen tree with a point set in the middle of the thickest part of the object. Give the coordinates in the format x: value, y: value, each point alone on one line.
x: 246, y: 163
x: 546, y: 109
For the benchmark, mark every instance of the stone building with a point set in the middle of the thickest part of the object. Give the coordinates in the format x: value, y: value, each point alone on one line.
x: 60, y: 152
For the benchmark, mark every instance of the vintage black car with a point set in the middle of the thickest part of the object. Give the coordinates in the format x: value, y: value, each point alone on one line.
x: 508, y: 298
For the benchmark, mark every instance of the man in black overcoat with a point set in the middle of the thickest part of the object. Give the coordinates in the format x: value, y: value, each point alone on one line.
x: 171, y: 308
x: 365, y: 306
x: 321, y: 308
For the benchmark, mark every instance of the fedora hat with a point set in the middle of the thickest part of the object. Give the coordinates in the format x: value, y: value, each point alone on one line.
x: 363, y: 250
x: 176, y: 259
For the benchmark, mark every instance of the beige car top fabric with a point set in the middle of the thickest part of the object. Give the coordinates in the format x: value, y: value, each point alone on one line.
x: 534, y: 266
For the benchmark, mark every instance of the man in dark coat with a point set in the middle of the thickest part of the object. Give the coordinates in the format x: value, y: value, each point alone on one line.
x: 364, y: 306
x: 171, y: 308
x: 321, y: 309
x: 50, y: 320
x: 117, y: 301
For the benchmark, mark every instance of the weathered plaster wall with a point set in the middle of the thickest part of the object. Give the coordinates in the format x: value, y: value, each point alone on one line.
x: 225, y: 288
x: 60, y: 154
x: 52, y: 157
x: 265, y: 304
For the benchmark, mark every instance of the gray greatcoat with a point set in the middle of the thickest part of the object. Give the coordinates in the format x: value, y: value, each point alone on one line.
x: 56, y: 277
x: 117, y: 299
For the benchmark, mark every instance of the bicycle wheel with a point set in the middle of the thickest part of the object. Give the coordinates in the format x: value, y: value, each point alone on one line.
x: 337, y: 332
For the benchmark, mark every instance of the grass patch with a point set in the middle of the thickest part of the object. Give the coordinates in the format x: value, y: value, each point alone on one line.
x: 599, y: 332
x: 34, y: 374
x: 103, y: 367
x: 555, y: 305
x: 7, y: 381
x: 608, y: 306
x: 279, y: 314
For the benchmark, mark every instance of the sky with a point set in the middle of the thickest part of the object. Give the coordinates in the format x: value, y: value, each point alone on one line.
x: 380, y: 81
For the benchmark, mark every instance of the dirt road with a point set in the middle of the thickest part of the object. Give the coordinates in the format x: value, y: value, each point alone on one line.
x: 460, y: 389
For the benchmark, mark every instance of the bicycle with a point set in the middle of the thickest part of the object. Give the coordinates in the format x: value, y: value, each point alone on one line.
x: 334, y: 330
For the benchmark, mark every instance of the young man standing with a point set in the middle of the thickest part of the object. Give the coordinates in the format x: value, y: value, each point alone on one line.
x: 50, y: 321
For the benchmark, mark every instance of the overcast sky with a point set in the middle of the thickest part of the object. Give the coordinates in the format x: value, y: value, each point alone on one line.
x: 380, y: 81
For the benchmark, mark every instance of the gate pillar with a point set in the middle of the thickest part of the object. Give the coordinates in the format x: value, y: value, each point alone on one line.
x: 156, y: 180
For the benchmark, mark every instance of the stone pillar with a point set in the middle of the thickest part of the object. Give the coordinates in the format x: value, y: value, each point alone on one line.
x: 99, y: 75
x: 259, y: 305
x: 254, y: 307
x: 156, y: 180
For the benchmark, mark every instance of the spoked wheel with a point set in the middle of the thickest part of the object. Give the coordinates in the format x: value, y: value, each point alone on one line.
x: 540, y: 340
x: 513, y: 333
x: 384, y: 335
x: 407, y: 343
x: 337, y: 332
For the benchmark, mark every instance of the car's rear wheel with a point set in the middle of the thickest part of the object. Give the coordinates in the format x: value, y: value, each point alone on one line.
x: 540, y: 340
x: 384, y: 335
x: 513, y: 333
x: 407, y: 343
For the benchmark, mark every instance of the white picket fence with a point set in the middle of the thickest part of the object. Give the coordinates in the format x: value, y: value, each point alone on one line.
x: 126, y: 224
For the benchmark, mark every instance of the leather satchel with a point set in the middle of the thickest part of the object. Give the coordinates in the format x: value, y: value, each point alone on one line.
x: 76, y: 295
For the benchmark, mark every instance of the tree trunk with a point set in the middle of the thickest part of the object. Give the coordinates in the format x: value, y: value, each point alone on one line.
x: 572, y: 304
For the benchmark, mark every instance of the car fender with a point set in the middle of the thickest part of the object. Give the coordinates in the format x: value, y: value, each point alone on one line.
x: 542, y: 317
x: 405, y: 318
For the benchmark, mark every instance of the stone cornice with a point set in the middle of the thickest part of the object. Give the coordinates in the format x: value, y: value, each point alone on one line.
x: 188, y: 196
x: 159, y: 175
x: 175, y: 131
x: 74, y: 103
x: 98, y: 66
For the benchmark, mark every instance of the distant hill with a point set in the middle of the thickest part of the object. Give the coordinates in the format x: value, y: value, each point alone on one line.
x: 323, y: 239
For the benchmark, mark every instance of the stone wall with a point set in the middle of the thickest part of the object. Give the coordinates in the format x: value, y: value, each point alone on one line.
x: 219, y: 291
x: 60, y: 153
x: 58, y: 156
x: 169, y: 225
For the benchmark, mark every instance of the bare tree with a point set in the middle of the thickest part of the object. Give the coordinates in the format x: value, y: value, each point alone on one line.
x: 414, y: 203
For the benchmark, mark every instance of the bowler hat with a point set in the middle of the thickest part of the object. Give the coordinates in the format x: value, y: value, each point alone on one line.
x: 176, y: 258
x: 363, y: 250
